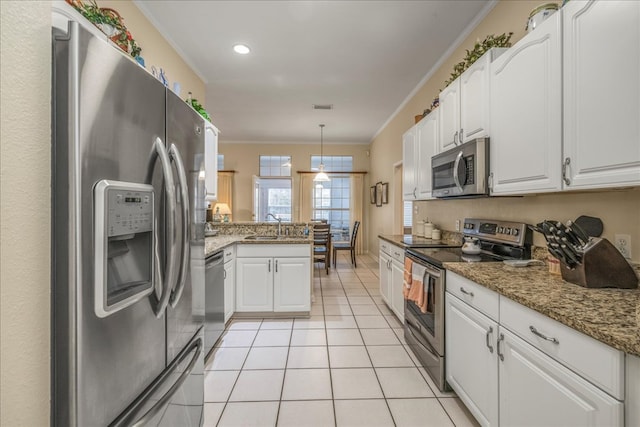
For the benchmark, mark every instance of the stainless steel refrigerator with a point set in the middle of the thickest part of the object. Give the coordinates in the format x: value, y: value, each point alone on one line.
x: 128, y: 215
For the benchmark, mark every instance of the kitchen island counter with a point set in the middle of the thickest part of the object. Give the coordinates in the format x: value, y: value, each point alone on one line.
x: 611, y: 316
x: 212, y: 244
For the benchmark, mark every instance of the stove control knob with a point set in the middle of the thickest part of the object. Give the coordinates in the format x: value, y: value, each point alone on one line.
x: 507, y: 230
x: 515, y: 232
x: 499, y: 230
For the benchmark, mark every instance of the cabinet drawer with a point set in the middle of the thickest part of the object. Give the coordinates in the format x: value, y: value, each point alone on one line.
x: 394, y: 251
x: 384, y: 246
x: 477, y: 296
x: 277, y: 250
x: 229, y: 252
x: 595, y: 361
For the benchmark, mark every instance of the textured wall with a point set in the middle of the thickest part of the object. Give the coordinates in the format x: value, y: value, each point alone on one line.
x: 25, y: 70
x: 619, y: 210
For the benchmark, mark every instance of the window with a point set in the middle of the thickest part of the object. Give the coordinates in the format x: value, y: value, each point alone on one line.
x: 272, y: 189
x: 220, y: 162
x: 407, y: 217
x: 331, y: 199
x: 275, y: 165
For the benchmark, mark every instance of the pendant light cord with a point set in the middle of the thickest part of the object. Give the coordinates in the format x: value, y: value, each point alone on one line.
x: 321, y: 144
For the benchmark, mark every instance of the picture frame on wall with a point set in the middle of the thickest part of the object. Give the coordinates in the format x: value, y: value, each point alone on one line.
x: 379, y: 194
x: 372, y: 195
x: 385, y: 193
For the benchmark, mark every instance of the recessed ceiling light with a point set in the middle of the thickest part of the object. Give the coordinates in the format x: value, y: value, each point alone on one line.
x: 242, y: 49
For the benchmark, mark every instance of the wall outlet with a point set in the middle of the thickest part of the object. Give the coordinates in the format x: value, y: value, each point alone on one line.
x: 457, y: 225
x: 622, y: 242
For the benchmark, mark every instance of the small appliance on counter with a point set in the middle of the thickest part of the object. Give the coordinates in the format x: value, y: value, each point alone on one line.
x: 586, y: 260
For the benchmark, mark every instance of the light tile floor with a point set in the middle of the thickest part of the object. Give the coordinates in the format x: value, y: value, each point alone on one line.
x: 346, y: 365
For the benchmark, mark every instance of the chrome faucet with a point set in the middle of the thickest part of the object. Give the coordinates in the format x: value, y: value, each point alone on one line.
x: 277, y: 219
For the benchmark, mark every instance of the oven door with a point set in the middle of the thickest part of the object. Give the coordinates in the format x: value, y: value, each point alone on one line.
x: 431, y: 323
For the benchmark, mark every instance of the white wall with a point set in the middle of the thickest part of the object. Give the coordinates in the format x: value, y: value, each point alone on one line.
x: 25, y: 132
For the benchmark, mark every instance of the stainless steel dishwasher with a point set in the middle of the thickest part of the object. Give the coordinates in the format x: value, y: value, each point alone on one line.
x: 214, y: 300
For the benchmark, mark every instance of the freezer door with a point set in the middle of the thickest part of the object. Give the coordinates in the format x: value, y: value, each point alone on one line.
x: 175, y: 398
x: 107, y: 113
x: 185, y: 144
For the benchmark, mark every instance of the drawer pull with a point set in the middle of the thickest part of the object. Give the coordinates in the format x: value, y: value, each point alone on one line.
x: 488, y: 339
x: 535, y: 332
x: 464, y: 291
x: 500, y: 339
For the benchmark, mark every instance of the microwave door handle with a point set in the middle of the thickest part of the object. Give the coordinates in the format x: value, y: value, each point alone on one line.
x: 456, y: 165
x: 158, y: 151
x: 184, y: 196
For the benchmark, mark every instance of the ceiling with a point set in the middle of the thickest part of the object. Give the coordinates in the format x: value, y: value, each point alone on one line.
x: 364, y: 57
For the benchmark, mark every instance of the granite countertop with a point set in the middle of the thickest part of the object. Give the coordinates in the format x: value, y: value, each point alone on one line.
x: 212, y: 244
x: 611, y: 316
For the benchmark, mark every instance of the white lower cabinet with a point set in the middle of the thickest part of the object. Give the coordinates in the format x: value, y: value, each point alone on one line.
x: 472, y: 368
x: 391, y: 267
x: 229, y: 283
x: 273, y: 283
x: 535, y: 390
x: 505, y: 380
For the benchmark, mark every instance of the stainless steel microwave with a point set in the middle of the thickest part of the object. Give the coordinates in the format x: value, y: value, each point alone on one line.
x: 461, y: 171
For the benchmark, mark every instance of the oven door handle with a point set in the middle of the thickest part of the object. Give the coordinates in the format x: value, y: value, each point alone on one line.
x: 456, y: 165
x: 410, y: 329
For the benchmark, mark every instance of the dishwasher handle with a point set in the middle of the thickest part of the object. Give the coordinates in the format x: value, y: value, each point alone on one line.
x: 216, y: 257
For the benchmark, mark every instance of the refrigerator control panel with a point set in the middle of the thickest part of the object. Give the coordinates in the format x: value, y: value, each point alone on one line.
x: 124, y: 236
x: 129, y: 211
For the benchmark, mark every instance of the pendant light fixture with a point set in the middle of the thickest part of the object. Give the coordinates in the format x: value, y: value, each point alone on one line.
x: 321, y: 176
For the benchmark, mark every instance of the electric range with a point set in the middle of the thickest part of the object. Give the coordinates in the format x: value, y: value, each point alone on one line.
x: 424, y: 324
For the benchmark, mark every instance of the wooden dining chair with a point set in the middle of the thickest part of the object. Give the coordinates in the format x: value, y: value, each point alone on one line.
x: 347, y: 246
x: 322, y: 244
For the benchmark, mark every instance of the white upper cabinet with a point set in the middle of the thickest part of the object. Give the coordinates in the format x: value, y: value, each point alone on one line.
x: 526, y: 113
x: 464, y: 104
x: 211, y: 161
x: 427, y: 139
x: 474, y: 97
x: 449, y: 116
x: 409, y: 164
x: 601, y: 93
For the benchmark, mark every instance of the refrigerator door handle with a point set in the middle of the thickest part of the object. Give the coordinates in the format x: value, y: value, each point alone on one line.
x: 131, y: 413
x: 174, y: 153
x: 158, y: 151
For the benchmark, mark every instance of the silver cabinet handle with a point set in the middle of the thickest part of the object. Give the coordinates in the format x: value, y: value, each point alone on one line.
x: 184, y: 198
x: 500, y: 339
x: 414, y: 193
x: 397, y: 253
x: 224, y: 274
x: 461, y: 135
x: 535, y: 332
x: 565, y: 166
x: 269, y: 268
x: 276, y: 266
x: 464, y: 291
x: 488, y: 339
x: 455, y: 138
x: 158, y: 151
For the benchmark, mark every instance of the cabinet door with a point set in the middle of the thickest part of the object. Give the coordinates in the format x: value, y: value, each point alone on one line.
x: 292, y: 284
x: 229, y: 289
x: 474, y: 100
x: 384, y: 264
x: 472, y: 363
x: 535, y: 390
x: 254, y: 285
x: 526, y: 130
x: 602, y: 93
x: 427, y: 130
x: 409, y: 164
x: 449, y: 116
x: 397, y: 297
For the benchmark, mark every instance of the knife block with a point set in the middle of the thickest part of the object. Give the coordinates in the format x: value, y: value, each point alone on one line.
x: 602, y: 267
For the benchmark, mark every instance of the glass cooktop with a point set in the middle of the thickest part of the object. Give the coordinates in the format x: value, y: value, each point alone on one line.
x: 438, y: 256
x: 422, y: 242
